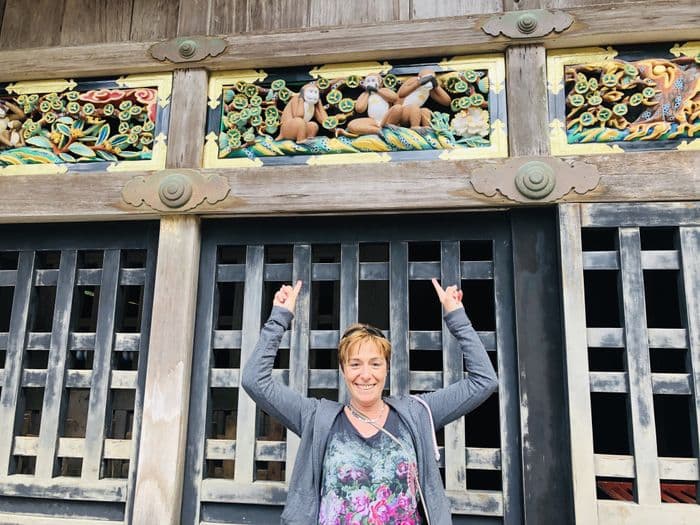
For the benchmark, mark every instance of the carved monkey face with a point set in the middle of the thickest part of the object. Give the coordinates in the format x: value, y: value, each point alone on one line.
x: 372, y: 82
x: 310, y: 93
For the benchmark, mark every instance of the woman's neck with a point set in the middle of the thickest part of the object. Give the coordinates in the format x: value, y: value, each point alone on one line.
x: 372, y: 409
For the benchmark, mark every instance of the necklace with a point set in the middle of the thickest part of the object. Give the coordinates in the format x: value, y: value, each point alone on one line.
x: 359, y: 415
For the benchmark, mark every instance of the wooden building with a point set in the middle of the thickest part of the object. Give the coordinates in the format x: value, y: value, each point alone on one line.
x: 147, y: 212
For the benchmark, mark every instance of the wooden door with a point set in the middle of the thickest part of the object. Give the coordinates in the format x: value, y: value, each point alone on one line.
x: 372, y: 269
x: 632, y: 330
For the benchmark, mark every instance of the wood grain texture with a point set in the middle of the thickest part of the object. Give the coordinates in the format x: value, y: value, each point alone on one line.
x: 228, y: 16
x: 429, y: 185
x: 420, y: 9
x: 342, y: 12
x: 88, y: 21
x: 154, y: 20
x: 193, y: 17
x: 264, y: 15
x: 188, y: 115
x: 526, y: 81
x: 157, y: 497
x: 39, y: 26
x: 576, y: 365
x: 441, y: 37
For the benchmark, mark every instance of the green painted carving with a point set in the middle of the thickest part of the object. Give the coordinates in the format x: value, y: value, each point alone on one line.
x: 653, y: 99
x: 357, y: 109
x: 72, y: 127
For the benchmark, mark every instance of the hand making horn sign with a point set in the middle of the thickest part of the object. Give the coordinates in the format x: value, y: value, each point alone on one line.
x: 383, y: 447
x: 413, y: 94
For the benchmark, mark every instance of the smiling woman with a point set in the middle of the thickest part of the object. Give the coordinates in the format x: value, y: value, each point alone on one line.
x: 372, y: 459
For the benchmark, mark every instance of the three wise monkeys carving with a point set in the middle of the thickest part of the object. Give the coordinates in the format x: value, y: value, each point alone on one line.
x: 304, y: 114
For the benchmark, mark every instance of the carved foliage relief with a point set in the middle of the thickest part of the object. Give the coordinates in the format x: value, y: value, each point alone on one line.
x: 358, y: 112
x: 604, y: 100
x: 63, y: 125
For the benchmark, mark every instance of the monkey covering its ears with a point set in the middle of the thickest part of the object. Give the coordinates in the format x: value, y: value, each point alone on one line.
x: 297, y: 122
x: 409, y: 109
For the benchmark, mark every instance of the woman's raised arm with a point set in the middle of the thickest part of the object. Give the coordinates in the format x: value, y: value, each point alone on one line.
x: 275, y: 398
x: 457, y: 399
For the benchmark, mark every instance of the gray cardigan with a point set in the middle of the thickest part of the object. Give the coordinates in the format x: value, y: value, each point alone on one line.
x: 311, y: 419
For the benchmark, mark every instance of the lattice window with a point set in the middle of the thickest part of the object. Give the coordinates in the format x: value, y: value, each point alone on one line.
x: 239, y: 454
x: 636, y: 272
x: 73, y: 314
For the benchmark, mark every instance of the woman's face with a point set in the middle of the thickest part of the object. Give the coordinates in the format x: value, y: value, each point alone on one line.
x: 365, y: 373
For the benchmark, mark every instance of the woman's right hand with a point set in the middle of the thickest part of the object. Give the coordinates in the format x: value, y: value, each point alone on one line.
x: 450, y: 297
x: 286, y: 296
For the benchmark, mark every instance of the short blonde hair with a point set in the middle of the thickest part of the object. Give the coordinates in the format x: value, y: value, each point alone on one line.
x: 358, y: 333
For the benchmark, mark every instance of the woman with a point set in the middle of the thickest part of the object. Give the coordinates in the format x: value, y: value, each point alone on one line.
x: 374, y: 459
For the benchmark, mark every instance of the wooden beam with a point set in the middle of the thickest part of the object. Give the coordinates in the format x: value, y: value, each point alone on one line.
x: 526, y: 79
x: 593, y: 26
x: 400, y: 186
x: 157, y: 498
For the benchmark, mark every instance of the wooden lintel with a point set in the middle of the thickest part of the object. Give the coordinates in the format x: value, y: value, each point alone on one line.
x: 593, y: 26
x: 390, y: 187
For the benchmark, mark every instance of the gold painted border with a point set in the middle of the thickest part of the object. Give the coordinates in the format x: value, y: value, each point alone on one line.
x: 494, y: 64
x: 163, y: 82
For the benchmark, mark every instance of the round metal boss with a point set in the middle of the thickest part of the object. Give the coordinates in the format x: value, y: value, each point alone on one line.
x: 527, y: 23
x: 187, y: 48
x: 535, y: 179
x: 175, y: 191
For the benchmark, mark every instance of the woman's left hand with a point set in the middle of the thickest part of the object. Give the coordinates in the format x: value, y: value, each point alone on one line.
x: 450, y: 297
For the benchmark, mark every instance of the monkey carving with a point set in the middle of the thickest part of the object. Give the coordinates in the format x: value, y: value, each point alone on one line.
x: 409, y: 109
x: 297, y: 121
x: 10, y: 125
x: 376, y: 101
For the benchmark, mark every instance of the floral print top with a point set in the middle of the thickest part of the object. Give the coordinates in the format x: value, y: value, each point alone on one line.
x: 369, y: 481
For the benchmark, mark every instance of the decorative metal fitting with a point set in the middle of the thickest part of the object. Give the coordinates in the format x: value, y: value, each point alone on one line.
x: 528, y: 24
x: 180, y: 190
x: 188, y: 49
x: 535, y: 179
x: 175, y: 190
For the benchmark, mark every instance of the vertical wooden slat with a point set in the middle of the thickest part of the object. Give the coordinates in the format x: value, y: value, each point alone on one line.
x: 35, y: 27
x: 264, y: 15
x: 252, y: 304
x: 422, y: 10
x: 689, y: 238
x: 228, y: 16
x: 341, y: 12
x: 144, y: 344
x: 526, y: 80
x: 88, y: 21
x: 349, y: 296
x: 158, y: 492
x: 102, y: 365
x: 507, y: 380
x: 11, y: 420
x: 52, y: 408
x: 639, y: 368
x: 188, y: 118
x: 299, y: 344
x: 193, y: 17
x: 154, y: 19
x: 398, y: 317
x: 576, y: 351
x: 199, y: 397
x: 453, y: 371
